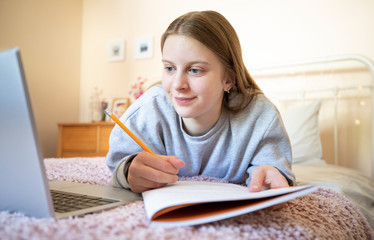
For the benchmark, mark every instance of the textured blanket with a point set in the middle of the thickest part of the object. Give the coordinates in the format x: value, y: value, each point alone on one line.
x: 324, y: 214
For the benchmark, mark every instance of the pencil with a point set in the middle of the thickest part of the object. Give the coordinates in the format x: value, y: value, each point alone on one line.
x: 135, y: 138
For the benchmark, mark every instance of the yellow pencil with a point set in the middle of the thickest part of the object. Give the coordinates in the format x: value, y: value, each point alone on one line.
x: 135, y: 138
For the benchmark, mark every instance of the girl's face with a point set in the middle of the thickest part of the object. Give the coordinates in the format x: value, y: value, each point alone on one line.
x: 194, y: 80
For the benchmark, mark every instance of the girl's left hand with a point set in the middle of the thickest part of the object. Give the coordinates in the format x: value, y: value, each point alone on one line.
x: 268, y: 177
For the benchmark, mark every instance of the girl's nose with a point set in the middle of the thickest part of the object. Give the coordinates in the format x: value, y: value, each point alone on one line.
x: 180, y: 81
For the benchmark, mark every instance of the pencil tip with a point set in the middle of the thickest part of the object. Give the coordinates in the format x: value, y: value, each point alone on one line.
x: 107, y: 112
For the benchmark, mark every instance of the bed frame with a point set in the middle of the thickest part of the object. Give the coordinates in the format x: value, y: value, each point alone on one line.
x: 276, y: 69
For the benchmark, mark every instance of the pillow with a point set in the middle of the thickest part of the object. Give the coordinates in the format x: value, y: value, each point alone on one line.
x: 302, y: 126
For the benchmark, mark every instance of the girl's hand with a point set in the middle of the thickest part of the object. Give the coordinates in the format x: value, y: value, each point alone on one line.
x: 268, y: 177
x: 147, y: 171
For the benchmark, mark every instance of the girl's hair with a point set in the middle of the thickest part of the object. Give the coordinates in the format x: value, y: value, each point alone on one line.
x: 215, y: 32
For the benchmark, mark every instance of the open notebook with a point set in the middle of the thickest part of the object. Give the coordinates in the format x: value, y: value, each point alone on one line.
x: 192, y: 202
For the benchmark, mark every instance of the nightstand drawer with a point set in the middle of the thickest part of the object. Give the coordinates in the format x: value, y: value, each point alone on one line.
x: 83, y: 139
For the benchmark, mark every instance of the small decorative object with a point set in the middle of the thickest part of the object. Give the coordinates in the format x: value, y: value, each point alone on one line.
x: 104, y: 106
x: 98, y: 105
x: 143, y: 47
x: 138, y: 88
x: 119, y: 106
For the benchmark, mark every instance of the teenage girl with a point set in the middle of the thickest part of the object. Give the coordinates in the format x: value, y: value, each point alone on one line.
x: 207, y: 118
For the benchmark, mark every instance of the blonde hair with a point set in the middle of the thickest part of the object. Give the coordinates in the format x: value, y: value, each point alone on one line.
x: 214, y: 31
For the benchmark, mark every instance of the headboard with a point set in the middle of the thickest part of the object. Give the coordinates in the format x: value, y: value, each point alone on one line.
x: 316, y: 72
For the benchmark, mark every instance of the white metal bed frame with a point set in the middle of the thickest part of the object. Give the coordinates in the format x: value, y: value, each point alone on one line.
x: 336, y: 90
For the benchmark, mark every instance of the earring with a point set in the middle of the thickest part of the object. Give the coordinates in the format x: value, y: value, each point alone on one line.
x: 228, y: 91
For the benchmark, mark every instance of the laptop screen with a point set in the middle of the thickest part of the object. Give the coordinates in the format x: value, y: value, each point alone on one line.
x: 23, y: 182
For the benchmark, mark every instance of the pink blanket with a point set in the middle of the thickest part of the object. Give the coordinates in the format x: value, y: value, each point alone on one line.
x: 324, y: 214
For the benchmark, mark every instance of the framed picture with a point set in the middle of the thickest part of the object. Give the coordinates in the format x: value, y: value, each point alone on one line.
x: 116, y: 50
x: 119, y: 106
x: 143, y: 47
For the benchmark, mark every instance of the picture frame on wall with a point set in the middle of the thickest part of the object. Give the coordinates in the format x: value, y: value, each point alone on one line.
x: 116, y: 50
x: 143, y: 47
x: 119, y: 106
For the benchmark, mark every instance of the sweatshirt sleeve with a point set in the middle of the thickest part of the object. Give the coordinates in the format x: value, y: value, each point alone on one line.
x: 122, y: 150
x: 274, y: 149
x: 119, y: 178
x: 143, y: 118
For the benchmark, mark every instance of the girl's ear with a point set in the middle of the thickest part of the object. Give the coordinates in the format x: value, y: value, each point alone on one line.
x: 229, y: 81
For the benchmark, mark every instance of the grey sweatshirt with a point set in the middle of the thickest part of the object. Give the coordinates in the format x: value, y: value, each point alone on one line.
x: 230, y: 150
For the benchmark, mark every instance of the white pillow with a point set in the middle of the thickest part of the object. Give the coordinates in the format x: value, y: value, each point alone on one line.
x: 302, y: 126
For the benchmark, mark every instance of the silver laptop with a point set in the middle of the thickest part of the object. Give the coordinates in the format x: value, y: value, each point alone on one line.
x: 23, y: 183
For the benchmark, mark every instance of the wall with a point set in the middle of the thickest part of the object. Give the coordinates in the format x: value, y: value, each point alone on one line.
x: 49, y: 36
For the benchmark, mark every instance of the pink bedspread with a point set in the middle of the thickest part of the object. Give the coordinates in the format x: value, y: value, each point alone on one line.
x: 324, y: 214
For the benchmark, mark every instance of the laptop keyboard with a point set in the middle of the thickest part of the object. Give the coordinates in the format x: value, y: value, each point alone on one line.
x: 66, y: 202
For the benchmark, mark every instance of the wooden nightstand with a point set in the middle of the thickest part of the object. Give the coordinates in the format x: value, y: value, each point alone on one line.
x: 83, y: 139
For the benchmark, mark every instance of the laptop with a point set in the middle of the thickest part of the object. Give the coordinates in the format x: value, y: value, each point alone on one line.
x: 24, y: 186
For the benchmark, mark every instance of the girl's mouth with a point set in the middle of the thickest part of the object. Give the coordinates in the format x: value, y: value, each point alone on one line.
x: 183, y: 100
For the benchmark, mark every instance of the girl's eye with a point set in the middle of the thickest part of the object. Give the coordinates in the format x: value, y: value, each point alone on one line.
x: 169, y: 69
x: 195, y: 71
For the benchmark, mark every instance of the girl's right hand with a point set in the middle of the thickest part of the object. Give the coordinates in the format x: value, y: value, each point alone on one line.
x: 147, y: 171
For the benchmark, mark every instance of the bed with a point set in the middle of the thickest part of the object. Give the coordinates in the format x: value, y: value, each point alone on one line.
x: 341, y: 85
x: 342, y: 208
